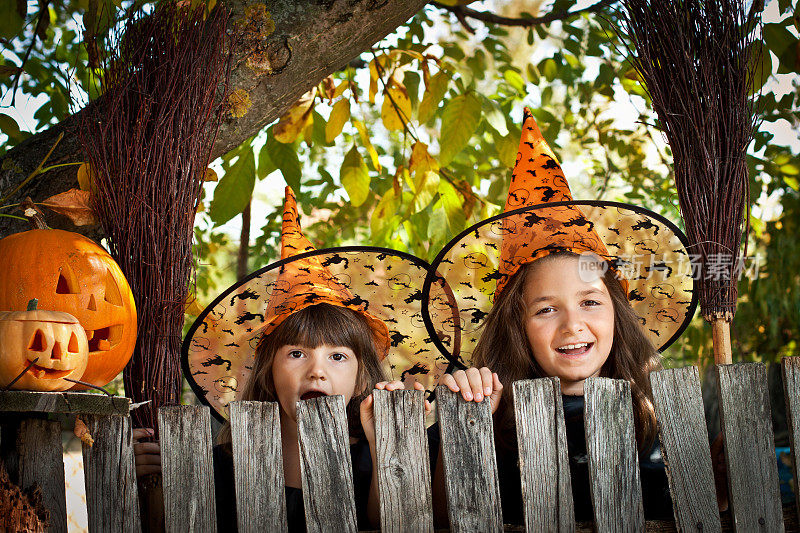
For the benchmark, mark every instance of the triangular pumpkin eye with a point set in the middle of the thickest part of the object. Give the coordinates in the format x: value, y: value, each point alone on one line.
x: 38, y: 342
x: 112, y: 294
x: 73, y: 346
x: 67, y: 282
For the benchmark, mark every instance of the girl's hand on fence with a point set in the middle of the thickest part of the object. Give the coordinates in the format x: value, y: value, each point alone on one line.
x: 475, y: 384
x: 147, y: 455
x: 368, y: 411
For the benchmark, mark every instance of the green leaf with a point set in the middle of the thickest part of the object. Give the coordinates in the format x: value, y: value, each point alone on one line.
x: 265, y: 164
x: 412, y: 80
x: 355, y: 177
x: 494, y: 115
x: 515, y: 80
x: 434, y: 92
x: 10, y: 127
x: 460, y: 119
x: 11, y: 23
x: 284, y: 157
x: 425, y: 185
x: 235, y: 189
x: 384, y: 215
x: 453, y: 206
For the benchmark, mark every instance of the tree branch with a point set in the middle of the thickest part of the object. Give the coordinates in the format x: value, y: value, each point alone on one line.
x: 462, y: 12
x: 272, y: 68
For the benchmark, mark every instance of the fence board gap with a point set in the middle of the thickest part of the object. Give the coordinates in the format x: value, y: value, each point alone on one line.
x: 470, y: 466
x: 543, y: 457
x: 325, y: 465
x: 684, y: 446
x: 258, y: 466
x: 404, y: 472
x: 613, y: 457
x: 187, y: 466
x: 791, y: 389
x: 746, y: 420
x: 112, y: 502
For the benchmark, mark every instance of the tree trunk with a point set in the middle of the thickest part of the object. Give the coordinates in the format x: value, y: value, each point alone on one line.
x: 311, y: 40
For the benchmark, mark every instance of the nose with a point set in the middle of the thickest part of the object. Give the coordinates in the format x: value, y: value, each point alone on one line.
x: 572, y: 321
x: 316, y: 369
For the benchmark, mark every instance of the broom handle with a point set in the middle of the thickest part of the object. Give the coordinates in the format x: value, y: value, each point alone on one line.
x: 723, y: 355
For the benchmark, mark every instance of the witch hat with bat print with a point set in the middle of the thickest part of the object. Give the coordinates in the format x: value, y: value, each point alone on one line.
x: 384, y: 286
x: 646, y: 251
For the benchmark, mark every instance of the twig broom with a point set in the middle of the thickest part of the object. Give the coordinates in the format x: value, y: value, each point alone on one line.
x: 696, y: 59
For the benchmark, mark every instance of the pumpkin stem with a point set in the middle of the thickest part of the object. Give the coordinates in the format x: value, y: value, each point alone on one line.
x: 32, y: 304
x: 33, y: 214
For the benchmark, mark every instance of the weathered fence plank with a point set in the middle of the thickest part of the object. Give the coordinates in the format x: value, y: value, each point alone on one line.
x: 543, y: 459
x: 63, y: 402
x: 325, y: 465
x: 404, y: 472
x: 41, y: 462
x: 187, y: 466
x: 258, y: 466
x: 112, y: 503
x: 746, y: 420
x: 791, y: 389
x: 684, y: 446
x: 613, y: 458
x: 470, y: 466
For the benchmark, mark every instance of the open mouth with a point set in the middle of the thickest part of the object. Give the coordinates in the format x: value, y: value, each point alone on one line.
x: 310, y: 395
x: 41, y: 372
x: 103, y: 339
x: 579, y: 348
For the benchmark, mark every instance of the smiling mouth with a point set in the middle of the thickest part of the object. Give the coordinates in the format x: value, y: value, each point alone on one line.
x: 48, y: 373
x: 576, y: 349
x: 310, y: 395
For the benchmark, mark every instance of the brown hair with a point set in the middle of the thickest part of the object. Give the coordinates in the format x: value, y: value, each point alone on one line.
x: 632, y: 355
x: 314, y: 326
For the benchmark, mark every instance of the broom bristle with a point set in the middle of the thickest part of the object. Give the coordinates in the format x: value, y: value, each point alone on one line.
x: 696, y: 58
x: 148, y: 152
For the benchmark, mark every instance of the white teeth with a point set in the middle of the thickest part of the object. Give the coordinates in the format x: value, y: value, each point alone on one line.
x: 574, y: 346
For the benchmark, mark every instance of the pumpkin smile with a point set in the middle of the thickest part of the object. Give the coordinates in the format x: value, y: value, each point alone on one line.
x: 49, y: 373
x: 103, y: 339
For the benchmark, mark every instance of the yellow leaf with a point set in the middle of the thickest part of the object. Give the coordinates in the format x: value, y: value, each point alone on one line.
x: 396, y: 109
x: 210, y: 175
x: 421, y: 160
x: 295, y: 120
x: 339, y: 116
x: 308, y: 132
x: 74, y: 204
x: 426, y: 185
x: 373, y: 154
x: 194, y: 308
x: 373, y: 81
x: 341, y: 88
x: 85, y: 177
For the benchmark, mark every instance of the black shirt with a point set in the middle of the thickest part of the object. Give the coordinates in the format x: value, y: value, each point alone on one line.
x: 655, y: 488
x: 295, y: 513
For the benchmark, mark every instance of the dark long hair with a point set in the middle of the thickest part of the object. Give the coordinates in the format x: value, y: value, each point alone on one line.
x: 314, y: 326
x: 632, y: 355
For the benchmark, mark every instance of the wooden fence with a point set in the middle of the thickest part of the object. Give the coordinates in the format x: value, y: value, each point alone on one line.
x: 31, y: 451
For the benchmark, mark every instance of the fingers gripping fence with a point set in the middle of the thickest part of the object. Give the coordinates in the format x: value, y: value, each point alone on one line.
x: 31, y: 449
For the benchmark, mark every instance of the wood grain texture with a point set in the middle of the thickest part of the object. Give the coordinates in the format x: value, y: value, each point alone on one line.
x: 746, y: 420
x: 791, y: 390
x: 613, y: 458
x: 325, y: 465
x: 404, y: 472
x: 63, y: 402
x: 543, y: 458
x: 112, y: 502
x: 187, y: 467
x: 41, y: 463
x: 470, y: 466
x: 684, y: 446
x: 258, y: 466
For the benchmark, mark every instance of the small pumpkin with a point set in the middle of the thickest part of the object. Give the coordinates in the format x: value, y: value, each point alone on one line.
x: 71, y: 273
x: 51, y: 345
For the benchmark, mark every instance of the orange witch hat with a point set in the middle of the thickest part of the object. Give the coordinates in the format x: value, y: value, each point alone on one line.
x: 306, y: 282
x: 538, y: 179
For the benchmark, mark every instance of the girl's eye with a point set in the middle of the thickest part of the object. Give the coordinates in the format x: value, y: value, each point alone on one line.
x: 591, y: 302
x: 295, y: 354
x: 338, y: 356
x: 543, y: 311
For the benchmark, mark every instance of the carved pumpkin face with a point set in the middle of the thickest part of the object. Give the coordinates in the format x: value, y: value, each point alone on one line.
x: 53, y: 341
x: 71, y: 273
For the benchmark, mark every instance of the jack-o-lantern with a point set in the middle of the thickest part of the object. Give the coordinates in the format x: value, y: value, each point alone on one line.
x: 42, y: 349
x: 71, y: 273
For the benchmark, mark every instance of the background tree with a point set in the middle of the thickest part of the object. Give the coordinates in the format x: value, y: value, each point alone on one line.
x: 405, y: 141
